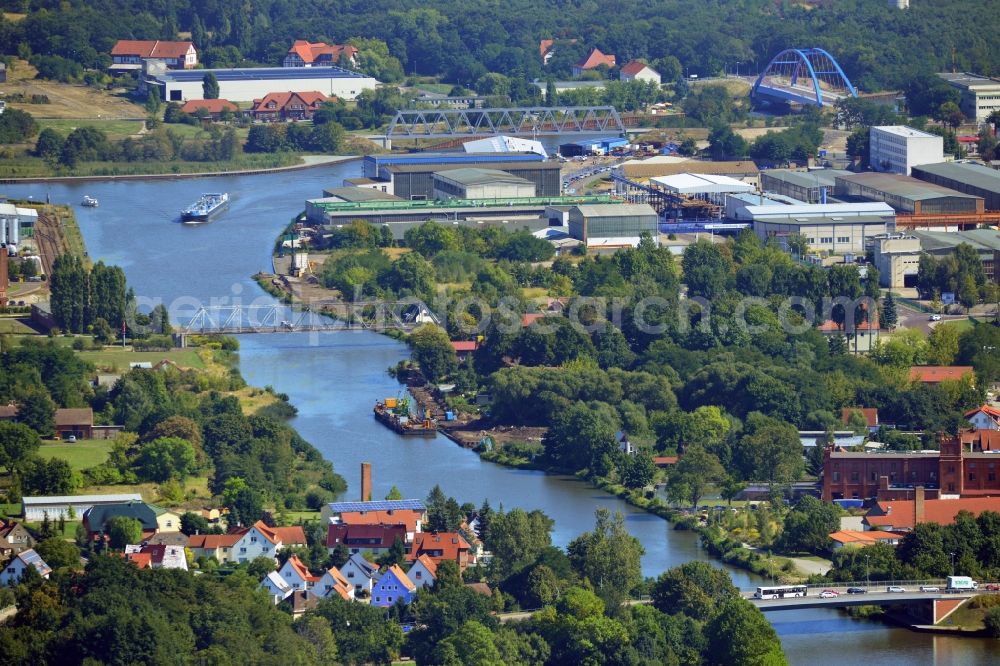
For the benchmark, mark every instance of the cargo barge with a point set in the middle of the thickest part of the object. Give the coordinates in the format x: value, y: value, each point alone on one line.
x: 205, y: 208
x: 394, y: 413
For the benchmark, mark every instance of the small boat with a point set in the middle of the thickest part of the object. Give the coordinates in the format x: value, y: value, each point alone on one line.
x: 394, y: 413
x: 89, y: 201
x: 205, y: 208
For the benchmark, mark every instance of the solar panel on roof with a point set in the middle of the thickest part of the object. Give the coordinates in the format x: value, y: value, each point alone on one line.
x: 378, y: 505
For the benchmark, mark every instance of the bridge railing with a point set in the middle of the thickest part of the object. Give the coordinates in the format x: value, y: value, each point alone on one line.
x: 914, y: 585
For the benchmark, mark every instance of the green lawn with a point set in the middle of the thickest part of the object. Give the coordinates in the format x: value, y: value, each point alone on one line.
x: 113, y: 357
x: 961, y: 325
x: 81, y: 455
x: 15, y: 326
x: 115, y: 129
x: 295, y: 516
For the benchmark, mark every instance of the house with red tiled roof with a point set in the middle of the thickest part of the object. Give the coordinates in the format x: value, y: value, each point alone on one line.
x: 935, y: 374
x: 158, y: 556
x: 393, y: 586
x: 546, y: 48
x: 412, y: 519
x: 860, y: 539
x: 288, y: 106
x: 212, y: 108
x: 243, y: 544
x: 870, y: 415
x: 593, y: 60
x: 296, y: 574
x: 333, y: 582
x: 441, y: 546
x: 903, y: 515
x: 986, y: 417
x: 129, y: 54
x: 639, y: 71
x: 320, y: 54
x: 218, y: 546
x: 463, y: 348
x: 360, y: 538
x: 141, y: 560
x: 423, y: 573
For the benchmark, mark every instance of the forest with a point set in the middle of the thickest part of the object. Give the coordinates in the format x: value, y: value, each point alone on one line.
x: 463, y: 41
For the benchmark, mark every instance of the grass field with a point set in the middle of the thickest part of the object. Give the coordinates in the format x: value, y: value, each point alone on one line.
x: 69, y: 101
x: 304, y: 516
x: 15, y: 326
x: 961, y: 325
x: 115, y: 129
x: 120, y: 358
x: 81, y: 455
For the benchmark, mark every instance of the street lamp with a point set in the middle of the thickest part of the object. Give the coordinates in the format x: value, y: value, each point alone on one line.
x: 952, y: 563
x: 868, y: 581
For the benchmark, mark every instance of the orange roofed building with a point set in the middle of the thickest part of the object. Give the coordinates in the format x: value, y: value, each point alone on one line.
x: 214, y: 108
x: 903, y: 515
x: 288, y: 106
x: 320, y: 54
x: 593, y: 60
x: 935, y: 374
x: 129, y: 54
x: 442, y: 546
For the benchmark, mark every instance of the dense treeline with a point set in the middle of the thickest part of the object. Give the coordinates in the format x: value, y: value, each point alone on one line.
x: 463, y: 41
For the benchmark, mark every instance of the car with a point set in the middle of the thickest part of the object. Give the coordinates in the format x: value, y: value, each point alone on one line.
x: 71, y: 439
x: 929, y: 588
x: 828, y: 594
x: 935, y: 317
x: 857, y: 590
x: 993, y: 587
x: 895, y: 589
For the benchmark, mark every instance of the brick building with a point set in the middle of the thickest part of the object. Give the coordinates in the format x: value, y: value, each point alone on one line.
x: 965, y: 466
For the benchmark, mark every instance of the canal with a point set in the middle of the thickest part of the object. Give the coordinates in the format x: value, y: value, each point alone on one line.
x: 334, y: 379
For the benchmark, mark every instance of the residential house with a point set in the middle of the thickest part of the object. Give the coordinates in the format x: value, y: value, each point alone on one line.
x: 140, y: 560
x: 664, y: 462
x: 903, y: 515
x: 391, y: 587
x: 546, y: 48
x: 593, y: 60
x: 95, y: 518
x: 15, y: 568
x: 276, y: 587
x: 209, y: 108
x: 359, y: 538
x: 168, y: 539
x: 860, y: 539
x: 423, y: 573
x: 130, y: 54
x: 441, y: 546
x: 360, y: 573
x: 870, y: 415
x: 296, y: 575
x: 217, y: 546
x: 411, y: 520
x: 935, y: 374
x: 259, y: 540
x: 302, y: 601
x: 287, y: 106
x: 35, y: 509
x: 14, y: 538
x: 159, y: 556
x: 320, y: 54
x: 8, y: 412
x: 78, y: 423
x: 639, y: 71
x: 986, y: 417
x: 624, y: 445
x: 166, y: 520
x: 333, y: 582
x: 464, y: 348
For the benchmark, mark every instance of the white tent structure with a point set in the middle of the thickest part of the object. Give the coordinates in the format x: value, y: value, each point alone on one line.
x: 505, y: 144
x: 698, y: 184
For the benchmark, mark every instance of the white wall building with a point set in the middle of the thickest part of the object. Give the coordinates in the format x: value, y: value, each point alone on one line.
x: 897, y: 148
x: 897, y: 259
x: 246, y: 85
x: 12, y: 573
x: 56, y: 506
x: 980, y: 96
x: 639, y: 71
x: 832, y: 228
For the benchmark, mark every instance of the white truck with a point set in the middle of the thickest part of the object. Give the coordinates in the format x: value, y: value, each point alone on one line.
x: 961, y: 584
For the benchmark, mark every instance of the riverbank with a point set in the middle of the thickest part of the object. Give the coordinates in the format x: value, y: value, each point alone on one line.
x: 308, y: 162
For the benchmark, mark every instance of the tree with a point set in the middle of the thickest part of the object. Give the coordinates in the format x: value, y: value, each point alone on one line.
x: 46, y: 477
x: 394, y: 494
x: 923, y: 549
x: 58, y: 553
x: 707, y: 269
x: 808, y: 525
x: 123, y: 530
x: 193, y: 523
x: 695, y: 589
x: 950, y: 114
x: 769, y: 450
x: 515, y: 538
x: 637, y: 470
x: 695, y: 470
x: 609, y: 557
x: 166, y: 458
x: 245, y: 504
x: 889, y: 315
x: 17, y: 443
x: 37, y: 411
x: 433, y: 352
x: 741, y: 635
x: 210, y: 86
x: 579, y: 438
x: 49, y: 145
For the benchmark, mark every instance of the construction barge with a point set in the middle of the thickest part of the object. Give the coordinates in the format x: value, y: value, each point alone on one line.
x: 394, y: 413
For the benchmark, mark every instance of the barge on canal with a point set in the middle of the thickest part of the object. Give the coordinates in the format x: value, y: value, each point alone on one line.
x: 394, y: 413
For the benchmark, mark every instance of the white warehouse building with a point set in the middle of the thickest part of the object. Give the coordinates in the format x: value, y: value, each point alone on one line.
x: 832, y: 228
x: 897, y: 148
x: 246, y: 85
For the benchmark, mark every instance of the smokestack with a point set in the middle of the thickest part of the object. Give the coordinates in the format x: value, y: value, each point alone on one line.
x: 366, y: 482
x: 918, y: 505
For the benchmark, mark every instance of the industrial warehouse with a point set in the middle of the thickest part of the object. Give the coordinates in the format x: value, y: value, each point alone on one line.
x: 245, y: 85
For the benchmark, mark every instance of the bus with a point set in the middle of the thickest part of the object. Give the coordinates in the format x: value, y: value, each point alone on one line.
x: 780, y: 592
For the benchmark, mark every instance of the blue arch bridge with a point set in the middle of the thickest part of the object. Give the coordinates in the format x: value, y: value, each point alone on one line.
x: 805, y: 77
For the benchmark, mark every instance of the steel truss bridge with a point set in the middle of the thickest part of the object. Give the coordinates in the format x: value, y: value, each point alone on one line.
x: 515, y: 121
x: 803, y: 76
x: 327, y: 316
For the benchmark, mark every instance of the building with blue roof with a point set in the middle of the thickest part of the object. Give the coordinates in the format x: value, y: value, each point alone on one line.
x: 246, y: 85
x: 596, y: 146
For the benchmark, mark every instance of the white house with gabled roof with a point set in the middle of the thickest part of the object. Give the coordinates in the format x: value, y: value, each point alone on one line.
x: 360, y: 573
